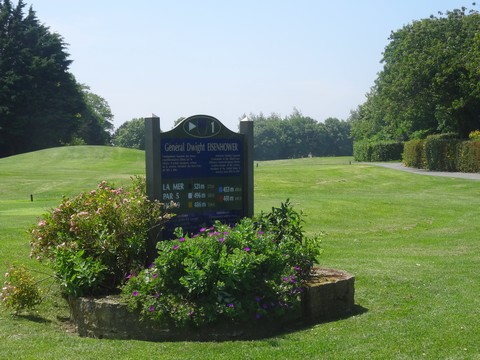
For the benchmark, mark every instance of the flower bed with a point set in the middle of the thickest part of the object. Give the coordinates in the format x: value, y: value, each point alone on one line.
x: 328, y: 295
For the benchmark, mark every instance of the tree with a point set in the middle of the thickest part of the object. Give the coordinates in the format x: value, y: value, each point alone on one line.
x: 429, y: 82
x: 40, y: 103
x: 337, y: 137
x: 131, y: 134
x: 299, y: 136
x: 96, y: 120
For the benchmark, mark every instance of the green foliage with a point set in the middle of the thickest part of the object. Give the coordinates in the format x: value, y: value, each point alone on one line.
x: 440, y: 152
x: 131, y: 134
x: 474, y: 135
x: 249, y: 272
x: 443, y: 152
x: 96, y: 238
x: 95, y: 120
x: 468, y: 156
x: 414, y: 154
x: 429, y: 82
x: 20, y: 290
x: 377, y: 151
x: 41, y: 104
x: 297, y: 136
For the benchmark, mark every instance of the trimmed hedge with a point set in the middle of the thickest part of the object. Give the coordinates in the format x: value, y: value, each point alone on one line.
x: 443, y: 153
x: 377, y: 151
x: 413, y: 154
x: 468, y: 156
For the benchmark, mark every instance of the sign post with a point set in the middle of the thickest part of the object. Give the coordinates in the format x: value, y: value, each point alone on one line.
x: 202, y: 166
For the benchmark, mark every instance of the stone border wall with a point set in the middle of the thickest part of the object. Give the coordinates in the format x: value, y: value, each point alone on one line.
x: 329, y: 295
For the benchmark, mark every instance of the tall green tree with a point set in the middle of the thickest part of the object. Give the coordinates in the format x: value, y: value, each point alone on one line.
x: 429, y: 82
x: 131, y: 134
x: 96, y: 120
x: 41, y: 104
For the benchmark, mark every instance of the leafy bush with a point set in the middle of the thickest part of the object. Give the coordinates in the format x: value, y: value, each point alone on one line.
x: 414, y: 154
x: 440, y: 152
x: 377, y: 151
x: 468, y: 156
x: 251, y: 271
x: 96, y: 238
x: 474, y: 135
x: 20, y: 290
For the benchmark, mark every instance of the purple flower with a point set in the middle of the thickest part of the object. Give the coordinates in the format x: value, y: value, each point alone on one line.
x: 258, y: 316
x: 247, y: 249
x: 151, y: 266
x: 260, y: 233
x: 190, y: 313
x: 151, y: 308
x: 231, y: 305
x: 286, y: 278
x: 225, y: 233
x: 129, y: 276
x: 203, y: 229
x: 157, y: 295
x: 265, y: 306
x: 175, y: 247
x: 135, y: 293
x: 182, y: 239
x: 155, y: 275
x: 221, y: 240
x: 297, y: 268
x: 258, y: 298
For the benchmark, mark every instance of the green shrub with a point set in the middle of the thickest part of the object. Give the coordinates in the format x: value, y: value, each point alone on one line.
x: 474, y: 135
x: 441, y: 152
x: 413, y: 154
x: 468, y: 156
x: 20, y: 290
x: 362, y: 151
x: 252, y: 271
x: 96, y: 238
x: 377, y: 151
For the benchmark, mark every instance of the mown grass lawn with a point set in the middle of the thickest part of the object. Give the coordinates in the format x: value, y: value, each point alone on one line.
x: 412, y: 241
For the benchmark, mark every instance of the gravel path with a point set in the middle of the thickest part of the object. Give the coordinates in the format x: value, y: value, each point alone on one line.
x: 400, y: 166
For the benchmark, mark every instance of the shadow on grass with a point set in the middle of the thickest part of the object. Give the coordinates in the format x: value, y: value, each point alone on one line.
x: 306, y: 324
x: 269, y: 332
x: 33, y: 318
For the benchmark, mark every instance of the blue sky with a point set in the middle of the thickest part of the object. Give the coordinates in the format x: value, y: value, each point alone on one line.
x: 228, y: 58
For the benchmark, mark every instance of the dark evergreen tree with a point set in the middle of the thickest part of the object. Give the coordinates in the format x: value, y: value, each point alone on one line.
x: 41, y: 104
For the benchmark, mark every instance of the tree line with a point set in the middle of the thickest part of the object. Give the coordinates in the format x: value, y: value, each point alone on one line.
x: 41, y: 103
x: 275, y: 137
x: 429, y: 84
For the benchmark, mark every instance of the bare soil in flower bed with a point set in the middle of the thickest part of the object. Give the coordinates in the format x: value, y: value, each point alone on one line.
x: 329, y: 295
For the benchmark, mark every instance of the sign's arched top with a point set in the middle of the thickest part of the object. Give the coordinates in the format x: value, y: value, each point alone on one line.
x: 202, y: 126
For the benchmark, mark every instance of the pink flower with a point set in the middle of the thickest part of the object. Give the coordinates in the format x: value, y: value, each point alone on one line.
x: 247, y: 249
